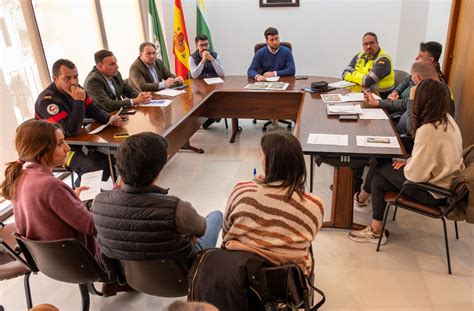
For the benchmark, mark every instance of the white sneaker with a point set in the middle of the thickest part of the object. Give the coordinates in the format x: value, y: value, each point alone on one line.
x: 366, y: 235
x: 364, y: 207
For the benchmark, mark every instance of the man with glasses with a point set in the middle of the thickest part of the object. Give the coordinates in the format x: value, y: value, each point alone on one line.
x: 371, y: 67
x: 205, y: 64
x: 148, y: 73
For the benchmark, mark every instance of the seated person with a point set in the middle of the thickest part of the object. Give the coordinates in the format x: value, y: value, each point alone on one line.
x: 421, y: 70
x: 372, y: 67
x: 272, y: 60
x: 430, y: 51
x: 272, y: 216
x: 436, y: 159
x: 65, y: 102
x: 205, y: 64
x: 106, y: 86
x: 141, y: 221
x: 45, y: 207
x: 148, y: 73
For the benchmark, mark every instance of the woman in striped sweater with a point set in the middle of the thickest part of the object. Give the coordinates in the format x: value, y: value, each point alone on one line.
x: 272, y: 216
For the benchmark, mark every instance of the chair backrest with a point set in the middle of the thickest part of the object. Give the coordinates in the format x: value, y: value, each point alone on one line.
x: 64, y: 260
x: 400, y: 75
x: 164, y: 277
x: 260, y: 45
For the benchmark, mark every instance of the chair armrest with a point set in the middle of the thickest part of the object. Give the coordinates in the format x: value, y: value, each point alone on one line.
x: 427, y: 187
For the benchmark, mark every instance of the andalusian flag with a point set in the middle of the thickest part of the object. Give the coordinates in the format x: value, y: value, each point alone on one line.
x: 202, y: 25
x: 180, y: 42
x: 155, y: 31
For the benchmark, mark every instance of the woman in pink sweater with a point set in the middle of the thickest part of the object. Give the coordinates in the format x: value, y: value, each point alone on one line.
x: 272, y: 216
x: 45, y: 208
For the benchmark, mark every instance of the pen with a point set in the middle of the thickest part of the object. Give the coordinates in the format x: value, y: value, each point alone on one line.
x: 254, y: 172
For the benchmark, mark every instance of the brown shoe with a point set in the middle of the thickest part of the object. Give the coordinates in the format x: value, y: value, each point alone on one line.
x: 111, y: 289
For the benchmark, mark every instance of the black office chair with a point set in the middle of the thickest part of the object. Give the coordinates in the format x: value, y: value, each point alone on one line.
x: 162, y: 277
x: 288, y: 124
x: 439, y: 212
x: 67, y: 261
x: 400, y: 75
x: 11, y: 263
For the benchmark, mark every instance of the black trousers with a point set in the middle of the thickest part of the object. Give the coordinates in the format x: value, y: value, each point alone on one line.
x: 384, y: 178
x: 93, y: 161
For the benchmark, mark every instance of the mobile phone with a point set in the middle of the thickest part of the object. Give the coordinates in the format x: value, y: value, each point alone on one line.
x: 129, y: 111
x: 121, y: 135
x: 348, y: 117
x: 378, y: 140
x: 301, y: 77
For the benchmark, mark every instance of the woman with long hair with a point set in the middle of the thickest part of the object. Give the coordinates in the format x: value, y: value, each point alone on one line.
x: 272, y: 216
x: 45, y: 208
x: 436, y: 158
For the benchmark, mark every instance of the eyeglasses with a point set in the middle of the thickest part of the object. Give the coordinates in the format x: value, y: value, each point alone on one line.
x: 369, y: 43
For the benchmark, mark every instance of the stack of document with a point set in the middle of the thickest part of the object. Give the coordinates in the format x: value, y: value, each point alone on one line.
x: 157, y: 103
x: 170, y: 92
x: 100, y: 128
x: 351, y: 97
x: 341, y: 84
x: 92, y: 180
x: 213, y: 80
x: 267, y: 86
x: 338, y: 109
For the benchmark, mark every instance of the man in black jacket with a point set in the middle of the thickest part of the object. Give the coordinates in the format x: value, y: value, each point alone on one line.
x: 106, y: 86
x: 141, y: 221
x: 65, y: 102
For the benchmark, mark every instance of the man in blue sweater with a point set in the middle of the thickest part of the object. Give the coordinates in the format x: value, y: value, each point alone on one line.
x: 272, y: 60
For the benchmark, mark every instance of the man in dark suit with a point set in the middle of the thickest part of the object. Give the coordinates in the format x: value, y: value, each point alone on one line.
x: 148, y: 73
x: 106, y: 86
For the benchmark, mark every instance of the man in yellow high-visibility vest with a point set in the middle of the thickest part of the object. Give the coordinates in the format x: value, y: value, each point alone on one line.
x: 372, y: 66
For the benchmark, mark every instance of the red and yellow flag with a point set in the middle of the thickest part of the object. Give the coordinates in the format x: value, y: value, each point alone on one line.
x: 180, y: 42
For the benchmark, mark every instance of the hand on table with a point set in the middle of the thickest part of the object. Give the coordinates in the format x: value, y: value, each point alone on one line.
x: 142, y: 98
x: 370, y: 100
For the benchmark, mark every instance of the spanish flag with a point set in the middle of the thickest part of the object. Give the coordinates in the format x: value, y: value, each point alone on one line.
x: 180, y: 42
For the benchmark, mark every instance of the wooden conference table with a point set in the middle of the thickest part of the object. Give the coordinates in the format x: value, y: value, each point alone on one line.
x: 185, y: 115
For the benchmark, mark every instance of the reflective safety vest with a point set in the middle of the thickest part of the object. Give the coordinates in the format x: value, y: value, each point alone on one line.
x: 363, y: 67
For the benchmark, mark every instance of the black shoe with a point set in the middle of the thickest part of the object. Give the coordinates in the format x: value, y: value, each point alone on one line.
x: 208, y: 123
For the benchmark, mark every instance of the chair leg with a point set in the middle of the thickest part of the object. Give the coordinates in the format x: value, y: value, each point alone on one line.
x: 447, y: 245
x: 226, y: 124
x: 395, y: 213
x: 26, y: 281
x: 385, y: 216
x: 311, y: 169
x: 85, y: 297
x: 456, y: 229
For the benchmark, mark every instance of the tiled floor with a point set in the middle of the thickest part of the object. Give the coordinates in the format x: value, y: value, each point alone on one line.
x: 409, y: 273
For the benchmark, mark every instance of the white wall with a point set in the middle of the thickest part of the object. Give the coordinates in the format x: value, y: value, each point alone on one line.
x: 325, y: 34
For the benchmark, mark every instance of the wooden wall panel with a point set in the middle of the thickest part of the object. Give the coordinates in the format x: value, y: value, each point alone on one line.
x: 461, y: 67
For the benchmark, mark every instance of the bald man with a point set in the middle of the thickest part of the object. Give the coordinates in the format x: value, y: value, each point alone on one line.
x: 420, y: 70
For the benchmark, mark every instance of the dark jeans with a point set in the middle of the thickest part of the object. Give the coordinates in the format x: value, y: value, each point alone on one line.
x: 383, y: 178
x: 93, y: 161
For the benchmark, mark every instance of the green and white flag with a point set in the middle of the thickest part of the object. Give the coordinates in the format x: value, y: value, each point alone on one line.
x: 156, y: 33
x: 201, y: 19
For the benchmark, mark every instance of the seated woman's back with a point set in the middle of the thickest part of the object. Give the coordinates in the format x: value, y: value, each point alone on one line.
x: 272, y: 216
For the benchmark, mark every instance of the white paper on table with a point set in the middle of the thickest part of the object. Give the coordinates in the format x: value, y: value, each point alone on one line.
x: 213, y: 80
x: 362, y: 142
x: 272, y: 79
x: 328, y: 139
x: 93, y: 181
x: 100, y: 128
x: 358, y: 97
x: 170, y: 92
x: 373, y: 114
x: 333, y: 109
x: 341, y: 84
x: 157, y: 103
